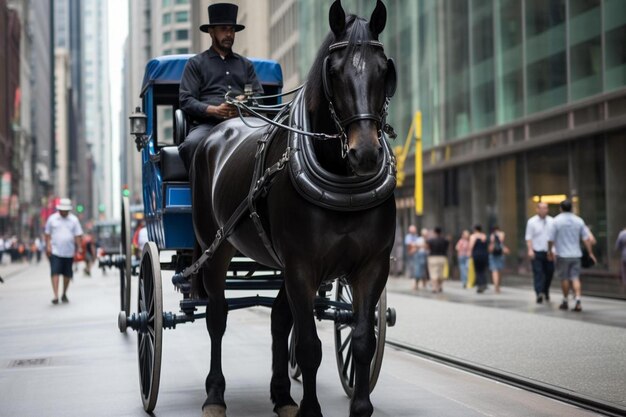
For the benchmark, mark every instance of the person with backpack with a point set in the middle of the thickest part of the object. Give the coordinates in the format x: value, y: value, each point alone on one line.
x: 497, y: 250
x: 480, y: 257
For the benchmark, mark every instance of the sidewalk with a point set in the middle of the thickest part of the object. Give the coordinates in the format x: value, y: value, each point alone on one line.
x: 582, y: 352
x: 7, y: 270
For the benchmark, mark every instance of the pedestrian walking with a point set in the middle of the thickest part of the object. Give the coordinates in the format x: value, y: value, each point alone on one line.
x: 463, y: 254
x: 63, y: 236
x: 620, y: 247
x: 537, y: 236
x: 565, y: 235
x: 480, y: 257
x: 416, y: 262
x: 437, y: 260
x: 497, y: 251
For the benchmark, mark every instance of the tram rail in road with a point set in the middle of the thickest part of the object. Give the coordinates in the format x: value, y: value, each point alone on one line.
x: 567, y: 396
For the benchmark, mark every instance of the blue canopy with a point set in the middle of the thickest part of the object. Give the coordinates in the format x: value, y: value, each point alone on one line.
x: 169, y: 70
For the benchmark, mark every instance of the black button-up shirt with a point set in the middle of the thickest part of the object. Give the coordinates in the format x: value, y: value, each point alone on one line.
x: 207, y: 78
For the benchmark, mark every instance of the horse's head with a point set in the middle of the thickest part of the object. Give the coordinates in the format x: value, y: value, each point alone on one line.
x: 358, y: 80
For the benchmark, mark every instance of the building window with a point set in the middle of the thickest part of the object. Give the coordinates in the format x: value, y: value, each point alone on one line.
x: 167, y: 3
x: 182, y: 50
x: 182, y: 16
x: 182, y: 35
x: 167, y: 18
x: 182, y: 1
x: 167, y: 52
x: 542, y: 15
x: 167, y: 37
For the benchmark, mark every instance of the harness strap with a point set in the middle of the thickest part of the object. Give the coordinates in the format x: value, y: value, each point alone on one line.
x: 262, y: 181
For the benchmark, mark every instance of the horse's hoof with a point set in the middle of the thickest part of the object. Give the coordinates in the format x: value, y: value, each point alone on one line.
x: 287, y: 411
x: 213, y: 411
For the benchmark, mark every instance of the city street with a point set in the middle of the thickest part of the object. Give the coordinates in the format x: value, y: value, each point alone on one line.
x: 70, y: 360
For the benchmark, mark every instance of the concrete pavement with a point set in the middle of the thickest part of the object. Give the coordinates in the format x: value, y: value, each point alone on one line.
x: 582, y: 352
x: 70, y: 360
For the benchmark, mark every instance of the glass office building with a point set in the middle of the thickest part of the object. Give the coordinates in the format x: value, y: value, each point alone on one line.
x: 521, y: 101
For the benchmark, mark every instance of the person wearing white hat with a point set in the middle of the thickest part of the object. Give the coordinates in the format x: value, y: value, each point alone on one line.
x: 63, y: 235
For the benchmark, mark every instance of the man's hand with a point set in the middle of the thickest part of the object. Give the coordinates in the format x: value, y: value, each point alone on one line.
x: 550, y: 256
x: 48, y: 251
x: 223, y: 111
x: 531, y: 254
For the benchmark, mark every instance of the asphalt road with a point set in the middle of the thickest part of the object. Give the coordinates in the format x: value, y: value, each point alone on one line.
x: 70, y: 360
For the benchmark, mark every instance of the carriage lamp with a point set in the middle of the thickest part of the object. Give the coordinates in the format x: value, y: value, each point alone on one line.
x: 138, y: 127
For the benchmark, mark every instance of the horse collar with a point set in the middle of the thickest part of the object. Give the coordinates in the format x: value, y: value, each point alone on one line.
x: 330, y: 191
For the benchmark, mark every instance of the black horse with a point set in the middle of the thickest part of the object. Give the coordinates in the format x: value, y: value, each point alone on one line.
x: 311, y: 244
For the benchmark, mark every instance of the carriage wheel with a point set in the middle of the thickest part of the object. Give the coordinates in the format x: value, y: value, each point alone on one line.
x: 149, y: 334
x: 125, y: 264
x: 294, y: 369
x: 343, y: 340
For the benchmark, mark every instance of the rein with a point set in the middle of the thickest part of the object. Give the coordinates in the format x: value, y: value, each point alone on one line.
x: 341, y: 125
x: 310, y: 180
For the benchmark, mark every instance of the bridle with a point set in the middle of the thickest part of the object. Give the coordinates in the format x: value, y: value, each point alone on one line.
x: 381, y: 118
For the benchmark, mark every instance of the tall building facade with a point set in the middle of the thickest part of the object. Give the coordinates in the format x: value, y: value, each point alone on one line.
x: 29, y: 99
x: 69, y: 36
x: 97, y: 109
x: 10, y: 40
x: 521, y: 101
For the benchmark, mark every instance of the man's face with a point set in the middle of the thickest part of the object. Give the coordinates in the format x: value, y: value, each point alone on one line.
x: 223, y: 37
x: 542, y: 209
x: 64, y: 213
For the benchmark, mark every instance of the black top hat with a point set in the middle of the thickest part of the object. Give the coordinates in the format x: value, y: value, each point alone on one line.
x: 222, y: 14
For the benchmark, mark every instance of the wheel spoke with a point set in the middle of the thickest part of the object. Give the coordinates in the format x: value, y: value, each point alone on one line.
x: 142, y: 297
x: 343, y: 326
x: 351, y: 383
x: 346, y: 342
x: 346, y: 364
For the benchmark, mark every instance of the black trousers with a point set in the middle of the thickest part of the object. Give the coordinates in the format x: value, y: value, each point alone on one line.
x: 189, y: 145
x: 481, y: 263
x: 543, y: 271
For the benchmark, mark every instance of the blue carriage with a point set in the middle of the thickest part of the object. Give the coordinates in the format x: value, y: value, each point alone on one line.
x: 159, y: 126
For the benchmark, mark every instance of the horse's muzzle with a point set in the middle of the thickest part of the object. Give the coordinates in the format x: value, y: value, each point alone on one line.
x: 365, y: 160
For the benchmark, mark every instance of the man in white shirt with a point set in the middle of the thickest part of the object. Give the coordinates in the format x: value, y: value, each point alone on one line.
x: 565, y: 235
x: 63, y: 236
x: 537, y: 236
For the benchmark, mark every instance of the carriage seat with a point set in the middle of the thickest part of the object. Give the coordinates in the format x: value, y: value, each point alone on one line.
x: 172, y: 167
x: 181, y: 126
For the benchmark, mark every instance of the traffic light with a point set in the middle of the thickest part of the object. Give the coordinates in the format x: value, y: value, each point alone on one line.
x: 80, y: 208
x: 125, y: 191
x: 101, y: 208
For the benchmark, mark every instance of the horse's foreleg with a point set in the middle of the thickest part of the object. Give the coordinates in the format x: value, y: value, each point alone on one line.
x: 282, y: 320
x: 301, y: 288
x: 216, y: 314
x: 367, y: 287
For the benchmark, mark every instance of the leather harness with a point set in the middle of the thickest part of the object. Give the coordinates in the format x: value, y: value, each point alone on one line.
x: 312, y: 182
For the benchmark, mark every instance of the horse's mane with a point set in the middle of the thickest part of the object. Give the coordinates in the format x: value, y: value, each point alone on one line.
x: 357, y: 29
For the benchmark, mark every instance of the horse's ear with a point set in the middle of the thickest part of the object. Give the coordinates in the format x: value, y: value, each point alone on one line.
x: 391, y: 79
x: 378, y: 19
x: 337, y: 18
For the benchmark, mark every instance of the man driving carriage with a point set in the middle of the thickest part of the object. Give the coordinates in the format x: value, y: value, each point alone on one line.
x: 210, y: 75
